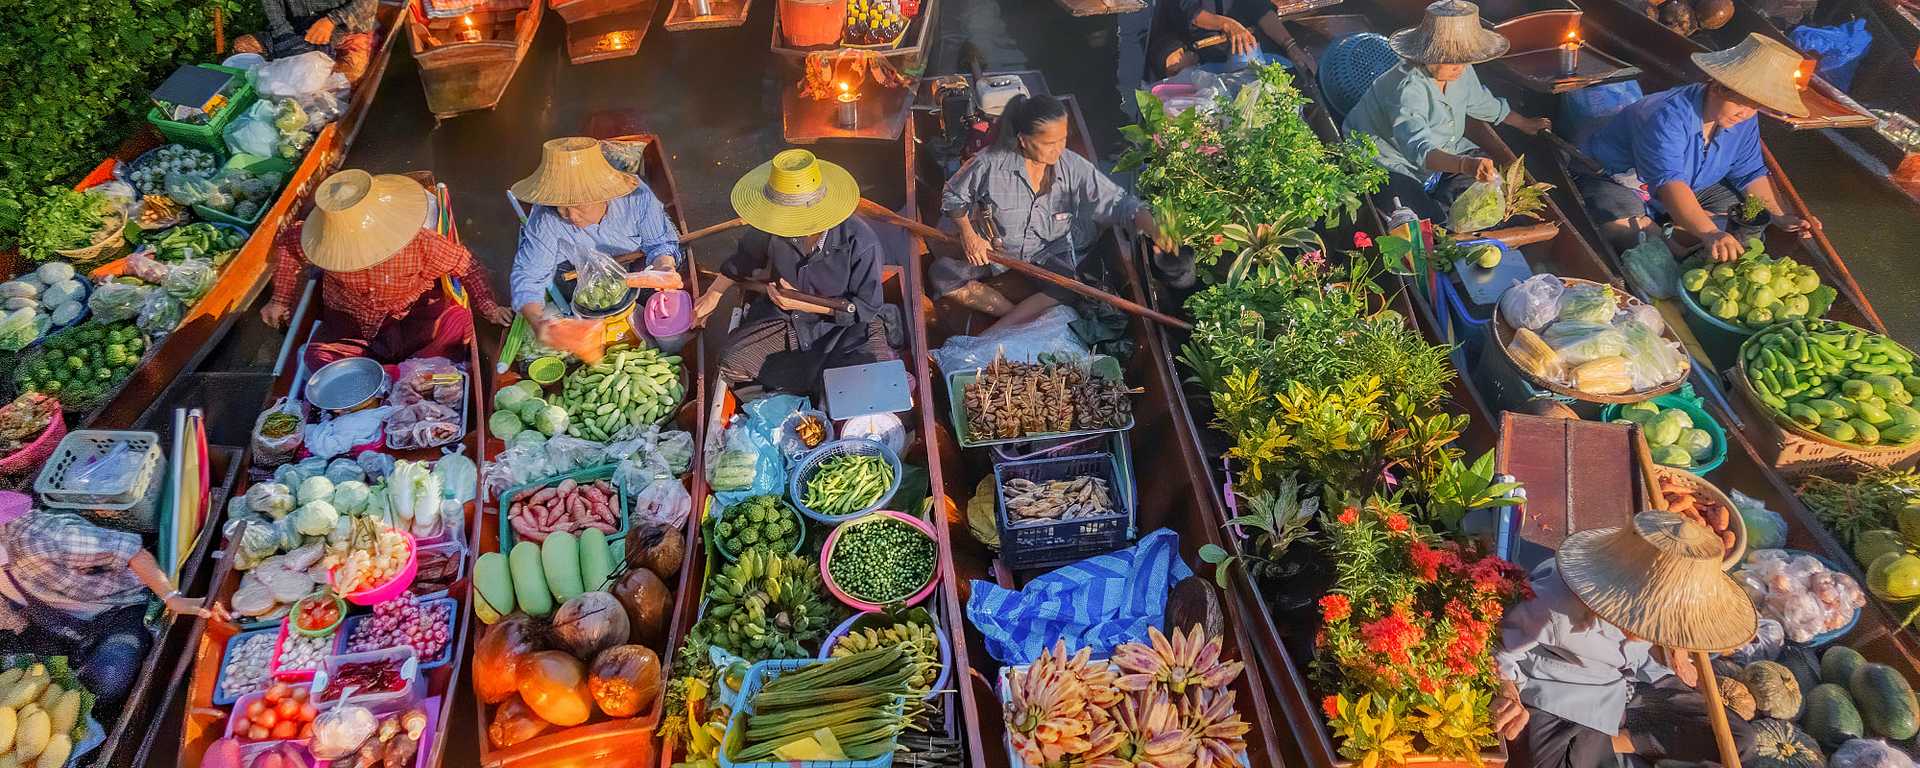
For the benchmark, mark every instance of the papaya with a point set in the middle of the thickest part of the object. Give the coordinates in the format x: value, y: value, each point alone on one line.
x: 1838, y: 663
x: 1885, y: 701
x: 1894, y: 577
x: 1831, y: 717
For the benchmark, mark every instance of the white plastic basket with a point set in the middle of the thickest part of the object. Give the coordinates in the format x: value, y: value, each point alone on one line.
x: 129, y: 503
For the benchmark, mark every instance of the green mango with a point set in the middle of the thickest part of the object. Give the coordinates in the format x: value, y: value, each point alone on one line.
x: 1899, y: 434
x: 1828, y: 409
x: 1805, y: 414
x: 1864, y: 433
x: 1874, y: 414
x: 1851, y: 406
x: 1856, y: 388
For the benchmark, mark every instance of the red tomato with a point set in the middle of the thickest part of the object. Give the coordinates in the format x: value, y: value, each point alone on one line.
x: 287, y: 708
x: 267, y: 718
x: 285, y: 730
x: 308, y: 713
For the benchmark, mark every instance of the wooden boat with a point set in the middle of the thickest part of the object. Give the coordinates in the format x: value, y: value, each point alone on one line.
x: 242, y: 279
x: 1165, y: 496
x: 908, y: 54
x: 203, y: 722
x: 467, y: 62
x: 684, y: 15
x: 598, y: 30
x: 626, y: 742
x: 1101, y: 7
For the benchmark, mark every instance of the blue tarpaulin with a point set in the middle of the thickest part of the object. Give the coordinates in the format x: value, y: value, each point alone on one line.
x: 1839, y: 49
x: 1099, y: 602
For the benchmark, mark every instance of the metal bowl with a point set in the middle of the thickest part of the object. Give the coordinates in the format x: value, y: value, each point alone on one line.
x: 347, y: 384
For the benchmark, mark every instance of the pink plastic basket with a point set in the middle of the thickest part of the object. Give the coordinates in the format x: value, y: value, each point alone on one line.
x: 826, y: 556
x: 32, y: 455
x: 394, y: 587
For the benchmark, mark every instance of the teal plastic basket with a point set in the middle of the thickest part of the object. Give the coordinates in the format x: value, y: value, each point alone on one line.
x: 580, y: 476
x: 211, y: 136
x: 758, y: 676
x: 1688, y: 403
x: 957, y: 381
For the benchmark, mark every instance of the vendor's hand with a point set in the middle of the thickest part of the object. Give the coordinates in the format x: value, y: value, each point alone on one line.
x: 275, y: 315
x: 500, y: 316
x: 1240, y: 39
x: 656, y: 279
x: 1533, y: 125
x: 1509, y: 715
x: 709, y: 301
x: 780, y: 299
x: 1804, y: 226
x: 181, y: 605
x: 977, y: 248
x: 321, y: 32
x: 1482, y: 169
x: 1721, y: 246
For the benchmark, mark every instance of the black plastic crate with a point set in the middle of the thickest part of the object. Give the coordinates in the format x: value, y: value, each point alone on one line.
x: 1039, y: 545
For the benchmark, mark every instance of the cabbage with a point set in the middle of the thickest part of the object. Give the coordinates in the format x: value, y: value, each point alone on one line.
x: 315, y: 488
x: 552, y: 420
x: 287, y: 533
x: 258, y: 541
x: 530, y: 409
x: 343, y: 469
x: 503, y: 423
x: 315, y: 518
x: 271, y: 499
x: 350, y: 497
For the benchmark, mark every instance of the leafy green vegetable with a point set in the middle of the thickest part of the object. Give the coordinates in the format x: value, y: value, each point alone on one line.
x: 63, y: 219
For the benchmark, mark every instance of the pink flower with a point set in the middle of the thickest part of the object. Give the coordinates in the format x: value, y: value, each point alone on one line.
x: 1361, y: 240
x: 1312, y: 259
x: 1209, y: 149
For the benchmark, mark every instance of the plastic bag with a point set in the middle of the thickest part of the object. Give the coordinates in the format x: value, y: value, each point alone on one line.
x: 663, y: 502
x: 1588, y: 304
x: 1579, y: 342
x: 1840, y: 49
x: 189, y: 280
x: 294, y: 76
x: 1651, y: 359
x: 344, y: 433
x: 566, y: 453
x: 274, y: 451
x: 1482, y: 206
x: 1048, y: 334
x: 601, y: 283
x: 746, y: 448
x: 143, y: 265
x: 377, y: 465
x: 288, y: 116
x: 1532, y: 304
x: 160, y: 314
x: 1765, y: 645
x: 188, y: 188
x: 114, y: 302
x: 883, y: 428
x: 1869, y: 753
x: 1651, y: 269
x: 111, y: 472
x: 253, y: 133
x: 21, y: 327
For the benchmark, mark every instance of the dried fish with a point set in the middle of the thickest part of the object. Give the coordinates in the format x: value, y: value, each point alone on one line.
x: 1069, y: 499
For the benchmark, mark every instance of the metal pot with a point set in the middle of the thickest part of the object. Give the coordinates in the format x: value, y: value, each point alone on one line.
x: 346, y: 385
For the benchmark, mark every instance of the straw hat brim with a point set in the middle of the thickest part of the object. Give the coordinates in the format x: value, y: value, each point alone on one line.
x: 369, y: 232
x: 1784, y: 101
x: 751, y: 203
x: 1709, y: 613
x: 1414, y: 46
x: 561, y: 182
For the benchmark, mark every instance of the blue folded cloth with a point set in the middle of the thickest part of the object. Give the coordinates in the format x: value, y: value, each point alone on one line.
x: 1099, y: 602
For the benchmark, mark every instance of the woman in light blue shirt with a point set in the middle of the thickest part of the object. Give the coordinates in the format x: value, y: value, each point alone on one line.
x: 1417, y: 112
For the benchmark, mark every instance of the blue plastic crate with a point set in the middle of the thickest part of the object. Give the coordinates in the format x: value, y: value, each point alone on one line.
x: 220, y: 698
x: 452, y: 607
x: 758, y: 675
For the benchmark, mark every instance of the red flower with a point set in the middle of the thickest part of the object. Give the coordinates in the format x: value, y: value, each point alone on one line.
x: 1392, y: 635
x: 1331, y: 706
x: 1361, y: 240
x: 1336, y: 607
x: 1426, y: 560
x: 1397, y: 523
x: 1349, y: 516
x: 1218, y: 239
x: 1428, y: 686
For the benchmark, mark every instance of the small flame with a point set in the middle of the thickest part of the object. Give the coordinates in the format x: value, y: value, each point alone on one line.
x: 468, y: 20
x: 1799, y: 73
x: 1573, y: 34
x: 843, y: 86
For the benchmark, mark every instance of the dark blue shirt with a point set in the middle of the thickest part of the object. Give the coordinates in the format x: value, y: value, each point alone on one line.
x: 1659, y: 138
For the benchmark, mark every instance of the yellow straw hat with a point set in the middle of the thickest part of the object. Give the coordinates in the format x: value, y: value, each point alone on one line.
x: 360, y: 220
x: 573, y: 171
x: 1659, y: 579
x: 1449, y: 33
x: 795, y: 194
x: 1762, y: 69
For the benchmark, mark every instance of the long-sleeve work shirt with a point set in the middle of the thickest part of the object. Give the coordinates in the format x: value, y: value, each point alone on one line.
x: 383, y: 291
x: 845, y: 265
x: 1568, y: 663
x: 292, y: 17
x: 1408, y: 116
x: 636, y: 223
x: 1660, y: 138
x: 1075, y: 199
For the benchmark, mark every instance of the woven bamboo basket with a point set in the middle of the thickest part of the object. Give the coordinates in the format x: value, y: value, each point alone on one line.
x: 1503, y: 335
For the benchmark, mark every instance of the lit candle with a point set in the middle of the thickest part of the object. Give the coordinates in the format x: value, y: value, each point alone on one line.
x: 468, y: 32
x: 1570, y: 52
x: 847, y: 111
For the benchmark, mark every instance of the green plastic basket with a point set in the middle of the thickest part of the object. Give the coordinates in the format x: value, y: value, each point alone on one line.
x: 957, y: 381
x: 580, y: 476
x: 1686, y: 402
x: 256, y: 165
x: 212, y: 135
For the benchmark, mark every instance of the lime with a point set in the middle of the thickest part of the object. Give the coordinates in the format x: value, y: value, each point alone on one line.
x: 546, y: 370
x: 1487, y: 256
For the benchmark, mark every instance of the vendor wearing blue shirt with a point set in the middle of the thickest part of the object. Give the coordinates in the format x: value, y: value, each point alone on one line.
x: 582, y: 205
x: 1180, y: 26
x: 1417, y: 112
x: 1692, y: 153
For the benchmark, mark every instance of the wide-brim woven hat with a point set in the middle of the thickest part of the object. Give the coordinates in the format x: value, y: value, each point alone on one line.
x: 795, y: 194
x: 1449, y: 33
x: 573, y: 171
x: 1659, y: 579
x: 360, y: 220
x: 1762, y: 69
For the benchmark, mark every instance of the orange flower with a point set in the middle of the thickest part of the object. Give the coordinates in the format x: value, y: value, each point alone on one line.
x: 1349, y: 516
x: 1336, y: 607
x: 1331, y: 706
x: 1397, y: 523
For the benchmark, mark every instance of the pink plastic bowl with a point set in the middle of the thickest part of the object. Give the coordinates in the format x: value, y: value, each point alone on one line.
x: 826, y: 556
x: 394, y: 587
x: 669, y: 313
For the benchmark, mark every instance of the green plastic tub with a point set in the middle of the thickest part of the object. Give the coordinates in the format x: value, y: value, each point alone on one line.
x: 1689, y: 404
x: 212, y: 135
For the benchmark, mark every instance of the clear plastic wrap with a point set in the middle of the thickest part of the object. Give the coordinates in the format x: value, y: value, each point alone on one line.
x: 1767, y: 641
x: 1482, y: 206
x: 114, y: 302
x: 1766, y: 529
x: 143, y: 265
x: 253, y: 133
x: 1650, y: 269
x: 1578, y: 342
x: 663, y: 502
x: 1651, y: 359
x: 1869, y: 753
x: 160, y: 314
x: 189, y: 280
x: 1800, y: 592
x: 1589, y: 304
x: 1532, y: 303
x: 188, y: 188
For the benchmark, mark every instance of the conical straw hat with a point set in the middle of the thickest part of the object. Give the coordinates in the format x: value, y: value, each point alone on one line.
x: 360, y: 220
x: 573, y: 171
x: 1659, y: 579
x: 795, y: 194
x: 1449, y: 33
x: 1760, y: 68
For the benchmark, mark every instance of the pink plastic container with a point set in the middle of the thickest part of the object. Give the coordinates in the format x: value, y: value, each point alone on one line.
x: 833, y: 539
x: 279, y: 646
x: 669, y: 319
x: 394, y: 587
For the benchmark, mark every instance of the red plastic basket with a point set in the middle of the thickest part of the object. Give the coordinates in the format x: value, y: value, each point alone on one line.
x: 29, y: 458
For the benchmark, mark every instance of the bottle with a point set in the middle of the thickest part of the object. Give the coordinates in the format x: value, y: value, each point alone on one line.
x: 1401, y: 220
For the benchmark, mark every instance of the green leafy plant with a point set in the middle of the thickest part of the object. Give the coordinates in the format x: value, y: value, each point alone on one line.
x: 1250, y: 161
x: 78, y: 76
x: 1278, y: 519
x: 63, y: 219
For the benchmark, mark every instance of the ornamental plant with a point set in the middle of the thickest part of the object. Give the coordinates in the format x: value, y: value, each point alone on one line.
x: 1405, y: 647
x: 1251, y: 160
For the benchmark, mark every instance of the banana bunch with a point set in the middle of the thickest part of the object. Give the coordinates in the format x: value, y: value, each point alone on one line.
x: 919, y: 641
x: 37, y: 718
x: 765, y: 605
